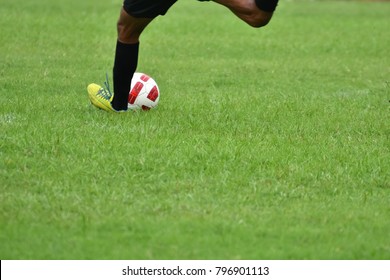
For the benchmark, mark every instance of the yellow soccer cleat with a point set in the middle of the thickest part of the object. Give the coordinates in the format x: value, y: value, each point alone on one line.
x: 100, y: 97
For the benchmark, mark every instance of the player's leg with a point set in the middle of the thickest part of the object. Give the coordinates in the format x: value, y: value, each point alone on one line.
x: 135, y: 15
x: 126, y: 56
x: 256, y: 13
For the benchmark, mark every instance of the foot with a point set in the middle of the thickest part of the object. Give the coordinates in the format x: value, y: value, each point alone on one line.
x: 100, y: 97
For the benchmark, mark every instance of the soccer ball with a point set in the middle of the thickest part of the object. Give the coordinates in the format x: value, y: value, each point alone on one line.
x: 144, y: 93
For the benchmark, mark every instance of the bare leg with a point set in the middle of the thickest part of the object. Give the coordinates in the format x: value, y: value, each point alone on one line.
x: 130, y: 28
x: 247, y: 11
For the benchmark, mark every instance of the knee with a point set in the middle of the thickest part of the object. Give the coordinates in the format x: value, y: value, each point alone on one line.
x: 257, y: 18
x: 121, y: 30
x: 125, y: 34
x: 130, y: 28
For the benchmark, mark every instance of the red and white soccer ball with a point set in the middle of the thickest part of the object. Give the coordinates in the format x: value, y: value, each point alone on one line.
x: 144, y: 93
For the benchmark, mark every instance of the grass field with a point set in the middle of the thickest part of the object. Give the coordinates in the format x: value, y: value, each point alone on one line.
x: 268, y: 143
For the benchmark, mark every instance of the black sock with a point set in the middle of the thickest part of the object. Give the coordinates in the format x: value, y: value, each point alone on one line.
x: 126, y: 60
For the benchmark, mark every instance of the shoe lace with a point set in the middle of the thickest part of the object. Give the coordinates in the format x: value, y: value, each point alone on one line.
x: 106, y: 92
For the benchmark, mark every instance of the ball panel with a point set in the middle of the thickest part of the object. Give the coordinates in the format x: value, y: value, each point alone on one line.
x: 144, y: 77
x: 153, y: 94
x: 135, y: 92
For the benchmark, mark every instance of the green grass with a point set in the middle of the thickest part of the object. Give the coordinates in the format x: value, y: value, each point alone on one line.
x: 267, y: 143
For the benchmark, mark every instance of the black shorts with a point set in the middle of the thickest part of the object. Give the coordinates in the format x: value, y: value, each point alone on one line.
x: 147, y: 8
